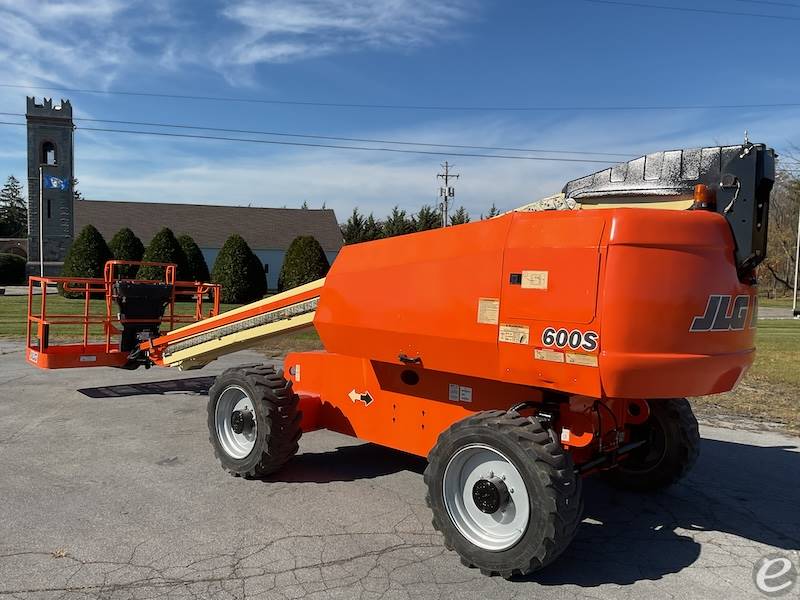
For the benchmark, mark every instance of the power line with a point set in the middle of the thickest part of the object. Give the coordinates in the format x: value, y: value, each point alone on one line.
x: 327, y: 137
x: 778, y: 105
x: 695, y: 10
x: 333, y: 146
x: 772, y: 2
x: 340, y: 147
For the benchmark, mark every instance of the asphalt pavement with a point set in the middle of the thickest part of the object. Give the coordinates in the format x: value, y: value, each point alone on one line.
x: 775, y: 312
x: 109, y: 489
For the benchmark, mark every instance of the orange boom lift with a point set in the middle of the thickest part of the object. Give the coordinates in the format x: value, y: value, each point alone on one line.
x: 518, y: 354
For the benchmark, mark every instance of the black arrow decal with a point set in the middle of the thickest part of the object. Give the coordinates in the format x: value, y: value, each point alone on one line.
x: 366, y: 398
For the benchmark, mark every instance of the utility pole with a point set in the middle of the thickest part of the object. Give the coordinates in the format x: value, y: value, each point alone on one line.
x: 447, y: 192
x: 41, y: 226
x: 795, y: 311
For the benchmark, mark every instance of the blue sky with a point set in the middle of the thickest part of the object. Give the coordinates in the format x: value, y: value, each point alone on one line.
x: 449, y: 52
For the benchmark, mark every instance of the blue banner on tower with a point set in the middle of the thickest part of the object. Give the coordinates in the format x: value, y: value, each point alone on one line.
x: 56, y: 183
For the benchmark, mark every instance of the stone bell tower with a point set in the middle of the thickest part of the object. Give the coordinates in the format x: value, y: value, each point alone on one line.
x: 50, y: 155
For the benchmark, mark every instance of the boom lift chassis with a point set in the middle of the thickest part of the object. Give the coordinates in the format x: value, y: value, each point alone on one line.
x: 518, y: 354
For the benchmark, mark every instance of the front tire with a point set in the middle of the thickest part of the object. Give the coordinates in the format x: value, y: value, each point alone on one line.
x: 504, y: 494
x: 672, y: 446
x: 253, y: 420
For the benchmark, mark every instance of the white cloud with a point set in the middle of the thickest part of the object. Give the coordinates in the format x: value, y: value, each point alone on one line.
x: 283, y: 30
x: 62, y: 42
x: 54, y: 12
x: 94, y: 42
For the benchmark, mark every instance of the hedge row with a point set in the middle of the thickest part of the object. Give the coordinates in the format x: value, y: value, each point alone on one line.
x: 236, y: 268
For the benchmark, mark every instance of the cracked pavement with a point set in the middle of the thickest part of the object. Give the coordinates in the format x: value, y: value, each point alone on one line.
x: 109, y: 489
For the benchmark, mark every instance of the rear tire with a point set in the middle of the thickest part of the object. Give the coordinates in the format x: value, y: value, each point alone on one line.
x: 672, y: 448
x: 504, y: 493
x: 253, y: 420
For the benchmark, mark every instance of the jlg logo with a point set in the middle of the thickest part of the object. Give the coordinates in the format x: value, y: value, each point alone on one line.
x: 724, y: 313
x: 561, y: 338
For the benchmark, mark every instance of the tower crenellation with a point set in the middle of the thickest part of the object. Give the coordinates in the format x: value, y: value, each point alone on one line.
x: 48, y: 109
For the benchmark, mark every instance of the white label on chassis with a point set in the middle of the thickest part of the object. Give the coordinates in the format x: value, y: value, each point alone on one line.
x: 488, y: 310
x: 459, y: 393
x: 550, y: 355
x: 534, y: 280
x: 587, y: 360
x: 465, y: 394
x: 513, y: 334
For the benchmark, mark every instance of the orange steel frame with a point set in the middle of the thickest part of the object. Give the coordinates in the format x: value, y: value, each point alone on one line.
x: 398, y: 322
x: 411, y: 346
x: 410, y: 418
x: 103, y: 352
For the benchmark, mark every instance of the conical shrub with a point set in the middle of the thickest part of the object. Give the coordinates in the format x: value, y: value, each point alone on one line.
x: 86, y: 257
x: 196, y: 263
x: 126, y: 246
x: 163, y: 248
x: 305, y: 261
x: 239, y: 271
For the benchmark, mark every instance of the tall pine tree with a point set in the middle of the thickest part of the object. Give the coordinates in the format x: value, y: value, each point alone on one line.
x: 353, y: 229
x: 13, y: 210
x: 397, y: 223
x: 493, y: 212
x: 459, y: 217
x: 427, y: 218
x: 76, y: 194
x: 373, y: 230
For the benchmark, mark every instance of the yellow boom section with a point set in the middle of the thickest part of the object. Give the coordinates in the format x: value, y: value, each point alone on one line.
x: 195, y: 345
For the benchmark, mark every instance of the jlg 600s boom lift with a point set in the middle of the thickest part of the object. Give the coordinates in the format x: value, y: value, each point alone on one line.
x: 517, y: 354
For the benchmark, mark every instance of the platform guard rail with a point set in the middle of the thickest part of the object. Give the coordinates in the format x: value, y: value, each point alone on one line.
x: 88, y: 348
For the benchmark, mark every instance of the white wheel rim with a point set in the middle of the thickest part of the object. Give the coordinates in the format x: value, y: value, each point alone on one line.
x: 236, y: 445
x: 496, y: 531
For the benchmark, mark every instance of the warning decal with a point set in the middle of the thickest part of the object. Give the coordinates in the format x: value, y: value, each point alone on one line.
x: 587, y: 360
x: 551, y: 355
x: 489, y: 310
x: 514, y: 334
x: 534, y: 280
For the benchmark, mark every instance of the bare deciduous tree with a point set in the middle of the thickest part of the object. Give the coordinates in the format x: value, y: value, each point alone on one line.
x: 776, y: 274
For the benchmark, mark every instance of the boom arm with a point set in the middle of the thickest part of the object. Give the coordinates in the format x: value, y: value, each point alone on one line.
x: 197, y: 344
